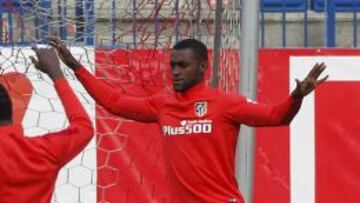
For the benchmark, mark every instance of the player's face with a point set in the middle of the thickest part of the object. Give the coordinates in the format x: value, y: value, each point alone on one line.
x: 186, y: 69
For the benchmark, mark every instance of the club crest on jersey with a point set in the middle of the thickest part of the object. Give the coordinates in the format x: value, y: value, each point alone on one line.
x: 200, y: 108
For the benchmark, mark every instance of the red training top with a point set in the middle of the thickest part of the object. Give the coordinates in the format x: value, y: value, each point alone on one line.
x: 200, y: 130
x: 29, y: 166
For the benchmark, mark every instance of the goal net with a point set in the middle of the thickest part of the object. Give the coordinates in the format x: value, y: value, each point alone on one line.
x: 127, y: 43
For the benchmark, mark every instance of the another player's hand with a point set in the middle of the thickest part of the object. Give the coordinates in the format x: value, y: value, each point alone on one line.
x: 47, y: 62
x: 311, y: 81
x: 64, y: 53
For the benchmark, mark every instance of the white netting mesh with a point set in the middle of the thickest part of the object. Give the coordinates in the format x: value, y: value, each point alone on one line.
x: 153, y: 23
x: 230, y: 46
x: 125, y: 167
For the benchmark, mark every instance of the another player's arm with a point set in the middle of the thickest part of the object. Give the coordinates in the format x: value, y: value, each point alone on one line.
x: 140, y: 109
x: 62, y: 146
x: 254, y: 114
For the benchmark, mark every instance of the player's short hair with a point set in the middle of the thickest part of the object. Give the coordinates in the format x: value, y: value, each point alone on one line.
x: 5, y: 105
x: 197, y: 46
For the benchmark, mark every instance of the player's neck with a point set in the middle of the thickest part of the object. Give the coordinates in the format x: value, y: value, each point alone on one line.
x: 192, y: 92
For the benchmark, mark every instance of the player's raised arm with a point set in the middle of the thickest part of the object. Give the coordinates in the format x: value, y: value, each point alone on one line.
x: 64, y: 53
x: 64, y: 145
x: 311, y: 81
x: 140, y: 109
x: 257, y: 114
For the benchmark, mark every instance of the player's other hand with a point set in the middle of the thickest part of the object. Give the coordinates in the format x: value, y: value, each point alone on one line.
x: 47, y: 62
x: 64, y: 53
x: 311, y: 81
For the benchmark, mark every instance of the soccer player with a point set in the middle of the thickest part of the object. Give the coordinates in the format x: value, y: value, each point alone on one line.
x: 200, y: 124
x: 29, y: 166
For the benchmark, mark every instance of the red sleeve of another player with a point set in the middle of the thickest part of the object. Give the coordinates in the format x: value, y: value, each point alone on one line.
x: 241, y: 110
x: 60, y: 147
x: 135, y: 108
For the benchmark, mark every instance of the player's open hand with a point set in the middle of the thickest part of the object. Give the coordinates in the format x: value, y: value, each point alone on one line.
x: 64, y: 53
x: 311, y: 81
x: 47, y: 62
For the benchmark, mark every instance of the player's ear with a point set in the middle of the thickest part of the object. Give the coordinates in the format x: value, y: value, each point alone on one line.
x: 203, y: 66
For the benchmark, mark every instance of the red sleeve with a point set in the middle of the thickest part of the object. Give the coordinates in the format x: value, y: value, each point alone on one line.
x: 64, y: 145
x: 135, y: 108
x: 241, y: 110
